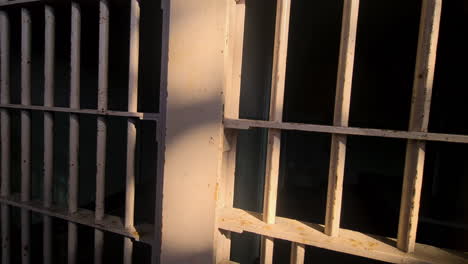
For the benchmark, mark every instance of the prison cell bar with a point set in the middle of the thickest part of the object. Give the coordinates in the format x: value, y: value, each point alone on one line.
x: 96, y: 112
x: 419, y: 120
x: 110, y: 223
x: 5, y: 131
x: 49, y: 64
x: 347, y: 241
x: 131, y: 125
x: 341, y: 116
x: 74, y: 136
x: 297, y: 253
x: 101, y: 125
x: 25, y: 131
x: 357, y: 131
x: 232, y: 84
x: 283, y: 12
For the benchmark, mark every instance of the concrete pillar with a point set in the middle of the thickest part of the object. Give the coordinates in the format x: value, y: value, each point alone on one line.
x: 193, y: 129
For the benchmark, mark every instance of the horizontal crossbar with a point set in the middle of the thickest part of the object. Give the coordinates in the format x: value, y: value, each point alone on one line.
x: 350, y: 242
x: 247, y: 124
x: 139, y: 115
x: 113, y: 224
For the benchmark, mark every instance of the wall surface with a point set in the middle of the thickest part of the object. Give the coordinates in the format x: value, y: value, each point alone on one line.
x: 193, y: 126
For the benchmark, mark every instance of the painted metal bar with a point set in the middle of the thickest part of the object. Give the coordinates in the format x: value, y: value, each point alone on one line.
x: 131, y: 125
x: 49, y: 65
x: 25, y: 132
x: 419, y: 120
x: 367, y: 132
x: 235, y: 25
x: 101, y: 125
x: 97, y: 112
x: 341, y: 116
x: 297, y: 253
x: 348, y: 241
x: 74, y: 136
x: 113, y: 224
x: 5, y: 131
x: 276, y: 114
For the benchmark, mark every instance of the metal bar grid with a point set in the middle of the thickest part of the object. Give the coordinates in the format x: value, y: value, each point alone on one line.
x: 347, y: 241
x: 330, y: 235
x: 109, y: 223
x: 73, y: 214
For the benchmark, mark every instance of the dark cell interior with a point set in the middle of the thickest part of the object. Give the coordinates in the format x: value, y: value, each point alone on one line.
x: 381, y: 98
x: 148, y: 101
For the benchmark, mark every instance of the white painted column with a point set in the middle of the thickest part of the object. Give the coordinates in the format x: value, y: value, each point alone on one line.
x: 195, y: 81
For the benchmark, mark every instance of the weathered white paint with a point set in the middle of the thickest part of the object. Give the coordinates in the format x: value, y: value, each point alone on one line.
x: 347, y: 241
x: 278, y: 83
x: 419, y: 121
x: 341, y: 116
x: 234, y: 35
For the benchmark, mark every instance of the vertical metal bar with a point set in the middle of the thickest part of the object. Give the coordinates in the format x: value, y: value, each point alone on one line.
x: 25, y: 131
x: 5, y: 131
x: 276, y: 114
x: 49, y: 65
x: 297, y: 253
x: 232, y: 82
x: 131, y: 125
x: 101, y: 125
x: 74, y: 128
x: 341, y: 118
x: 419, y: 120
